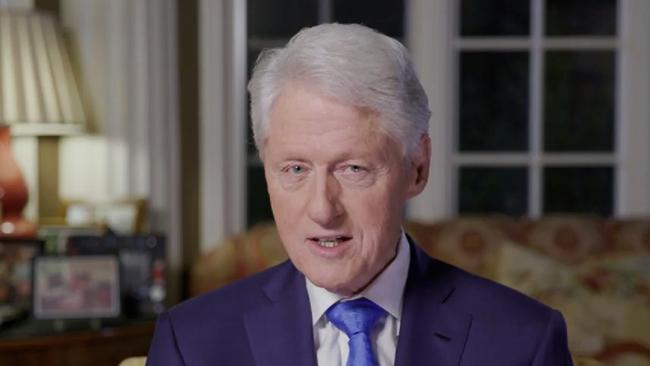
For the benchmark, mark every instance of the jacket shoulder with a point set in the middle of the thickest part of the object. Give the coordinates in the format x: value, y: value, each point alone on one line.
x: 505, y: 324
x: 486, y: 298
x: 235, y: 298
x: 211, y: 327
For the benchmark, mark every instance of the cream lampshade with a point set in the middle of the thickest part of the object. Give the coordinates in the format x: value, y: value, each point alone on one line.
x: 38, y: 91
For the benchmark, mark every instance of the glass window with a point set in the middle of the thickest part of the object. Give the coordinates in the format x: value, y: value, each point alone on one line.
x: 579, y: 97
x: 258, y: 205
x: 494, y: 17
x: 526, y: 101
x: 579, y: 190
x: 489, y: 190
x: 493, y: 101
x: 280, y: 18
x: 386, y: 16
x: 581, y: 17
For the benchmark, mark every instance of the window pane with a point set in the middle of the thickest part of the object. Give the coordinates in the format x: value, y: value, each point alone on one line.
x: 493, y: 190
x: 579, y: 190
x: 493, y: 101
x: 250, y: 143
x: 280, y: 18
x: 386, y: 16
x: 258, y: 206
x: 251, y: 59
x: 579, y: 97
x: 580, y: 17
x: 251, y: 150
x: 494, y: 17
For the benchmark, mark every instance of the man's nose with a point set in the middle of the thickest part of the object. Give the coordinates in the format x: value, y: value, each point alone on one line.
x: 324, y: 205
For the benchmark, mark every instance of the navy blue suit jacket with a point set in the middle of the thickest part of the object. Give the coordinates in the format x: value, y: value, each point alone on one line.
x: 449, y: 317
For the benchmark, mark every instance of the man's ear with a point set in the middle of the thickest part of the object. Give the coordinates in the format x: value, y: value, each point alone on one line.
x: 419, y: 169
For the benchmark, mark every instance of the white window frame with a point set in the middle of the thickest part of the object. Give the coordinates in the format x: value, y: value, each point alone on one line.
x: 432, y: 39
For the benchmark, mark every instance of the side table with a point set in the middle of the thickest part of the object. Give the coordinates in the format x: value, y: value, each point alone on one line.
x: 77, y: 346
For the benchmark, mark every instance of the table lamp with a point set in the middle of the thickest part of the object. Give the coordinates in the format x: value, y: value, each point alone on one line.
x: 38, y: 97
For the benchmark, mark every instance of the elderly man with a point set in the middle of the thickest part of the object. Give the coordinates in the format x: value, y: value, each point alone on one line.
x: 340, y: 121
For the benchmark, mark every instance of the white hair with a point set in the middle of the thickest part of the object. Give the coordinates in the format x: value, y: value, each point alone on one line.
x: 353, y: 64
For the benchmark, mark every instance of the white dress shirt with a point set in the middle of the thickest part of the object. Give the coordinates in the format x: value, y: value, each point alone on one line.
x: 386, y: 291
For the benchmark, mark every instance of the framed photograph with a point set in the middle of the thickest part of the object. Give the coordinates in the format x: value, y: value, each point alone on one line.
x: 16, y: 257
x: 76, y: 287
x: 143, y: 268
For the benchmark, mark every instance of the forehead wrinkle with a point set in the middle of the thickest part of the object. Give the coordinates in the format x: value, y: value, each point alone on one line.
x: 321, y: 104
x: 320, y: 150
x: 305, y: 126
x: 321, y: 153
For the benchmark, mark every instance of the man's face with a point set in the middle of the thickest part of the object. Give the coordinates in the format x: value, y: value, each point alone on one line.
x: 338, y: 186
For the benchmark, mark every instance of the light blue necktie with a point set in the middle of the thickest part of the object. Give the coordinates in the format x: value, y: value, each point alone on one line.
x: 357, y: 318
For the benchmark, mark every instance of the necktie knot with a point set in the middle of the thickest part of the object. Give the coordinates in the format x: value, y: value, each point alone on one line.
x: 357, y: 318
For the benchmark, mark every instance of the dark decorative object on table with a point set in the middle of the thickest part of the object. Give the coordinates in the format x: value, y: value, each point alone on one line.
x: 142, y: 261
x: 16, y: 261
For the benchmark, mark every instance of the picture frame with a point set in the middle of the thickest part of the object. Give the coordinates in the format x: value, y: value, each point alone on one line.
x: 16, y: 262
x: 76, y: 287
x: 143, y: 268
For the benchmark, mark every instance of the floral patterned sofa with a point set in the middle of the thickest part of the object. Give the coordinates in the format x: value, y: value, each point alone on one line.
x: 596, y: 271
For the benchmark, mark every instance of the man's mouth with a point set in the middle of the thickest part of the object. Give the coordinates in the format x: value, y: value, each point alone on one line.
x: 330, y: 242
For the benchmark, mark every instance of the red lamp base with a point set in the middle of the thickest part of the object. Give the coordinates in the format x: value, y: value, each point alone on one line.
x: 13, y: 193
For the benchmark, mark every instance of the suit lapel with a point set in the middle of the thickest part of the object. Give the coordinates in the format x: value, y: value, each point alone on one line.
x: 280, y: 331
x: 431, y: 332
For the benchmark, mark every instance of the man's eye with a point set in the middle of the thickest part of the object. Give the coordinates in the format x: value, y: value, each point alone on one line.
x: 358, y: 175
x: 296, y: 169
x: 356, y: 168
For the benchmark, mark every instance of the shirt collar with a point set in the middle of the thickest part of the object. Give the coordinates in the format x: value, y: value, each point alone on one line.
x: 386, y: 290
